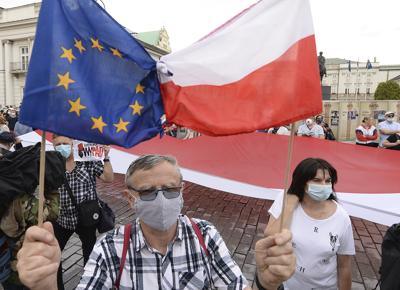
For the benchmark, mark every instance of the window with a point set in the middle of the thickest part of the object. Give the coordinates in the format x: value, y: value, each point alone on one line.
x: 358, y: 91
x: 368, y: 91
x: 24, y: 57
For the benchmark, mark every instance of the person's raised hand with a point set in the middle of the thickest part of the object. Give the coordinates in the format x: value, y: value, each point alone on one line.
x: 275, y: 259
x: 39, y: 258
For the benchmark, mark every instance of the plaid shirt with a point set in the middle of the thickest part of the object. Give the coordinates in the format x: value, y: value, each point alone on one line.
x: 184, y: 266
x: 82, y: 180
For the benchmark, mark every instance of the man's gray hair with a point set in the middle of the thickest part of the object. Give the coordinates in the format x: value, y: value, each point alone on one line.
x: 147, y: 162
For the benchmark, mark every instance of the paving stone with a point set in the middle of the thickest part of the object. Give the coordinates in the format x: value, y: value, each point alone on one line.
x: 366, y: 270
x: 357, y: 286
x: 239, y: 259
x: 249, y: 271
x: 367, y: 242
x: 370, y: 284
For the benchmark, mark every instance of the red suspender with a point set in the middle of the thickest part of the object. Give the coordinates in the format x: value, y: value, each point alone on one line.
x: 200, y: 237
x: 127, y: 236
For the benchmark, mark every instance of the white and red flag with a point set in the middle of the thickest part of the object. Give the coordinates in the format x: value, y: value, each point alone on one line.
x: 256, y: 71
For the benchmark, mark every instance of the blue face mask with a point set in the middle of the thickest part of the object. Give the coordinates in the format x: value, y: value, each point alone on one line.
x: 64, y: 149
x: 319, y: 192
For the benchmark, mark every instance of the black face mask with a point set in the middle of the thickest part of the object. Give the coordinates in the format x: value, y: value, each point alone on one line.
x: 318, y: 121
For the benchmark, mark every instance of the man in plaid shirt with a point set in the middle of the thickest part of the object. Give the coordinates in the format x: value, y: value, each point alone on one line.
x: 81, y: 177
x: 164, y: 251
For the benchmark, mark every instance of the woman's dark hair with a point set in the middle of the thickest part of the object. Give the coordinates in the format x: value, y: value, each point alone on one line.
x: 305, y: 171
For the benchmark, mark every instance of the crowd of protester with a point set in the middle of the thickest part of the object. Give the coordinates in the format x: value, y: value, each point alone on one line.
x: 163, y: 236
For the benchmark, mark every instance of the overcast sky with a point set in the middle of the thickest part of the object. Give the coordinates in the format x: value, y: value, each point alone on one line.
x: 352, y: 29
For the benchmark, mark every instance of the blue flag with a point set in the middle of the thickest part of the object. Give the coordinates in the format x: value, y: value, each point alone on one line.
x: 89, y: 79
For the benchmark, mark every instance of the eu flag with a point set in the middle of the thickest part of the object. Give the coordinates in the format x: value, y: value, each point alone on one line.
x: 89, y: 79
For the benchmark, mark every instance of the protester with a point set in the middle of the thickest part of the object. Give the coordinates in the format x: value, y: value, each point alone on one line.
x: 366, y: 133
x: 388, y: 127
x: 322, y: 234
x: 392, y: 142
x: 12, y: 118
x: 21, y: 129
x: 81, y: 178
x: 3, y: 124
x: 282, y: 130
x: 327, y: 131
x: 186, y: 133
x: 167, y: 250
x: 7, y: 141
x: 310, y: 129
x: 23, y: 210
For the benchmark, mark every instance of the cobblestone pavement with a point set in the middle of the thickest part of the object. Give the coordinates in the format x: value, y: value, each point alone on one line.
x: 241, y: 221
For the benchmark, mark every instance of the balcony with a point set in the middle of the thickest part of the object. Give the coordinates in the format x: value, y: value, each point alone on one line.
x: 18, y: 67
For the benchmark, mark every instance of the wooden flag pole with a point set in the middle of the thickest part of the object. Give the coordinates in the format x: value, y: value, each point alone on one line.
x: 41, y: 178
x: 287, y: 172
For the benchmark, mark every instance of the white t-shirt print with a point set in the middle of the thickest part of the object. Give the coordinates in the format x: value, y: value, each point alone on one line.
x: 316, y: 245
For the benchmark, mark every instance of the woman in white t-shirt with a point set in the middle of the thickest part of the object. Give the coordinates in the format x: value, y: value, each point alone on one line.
x: 322, y: 235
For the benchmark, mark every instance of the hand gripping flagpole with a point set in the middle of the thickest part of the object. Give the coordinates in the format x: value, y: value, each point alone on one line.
x: 287, y: 172
x: 41, y: 177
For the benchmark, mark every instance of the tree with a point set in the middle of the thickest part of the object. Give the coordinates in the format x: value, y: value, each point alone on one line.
x: 389, y: 90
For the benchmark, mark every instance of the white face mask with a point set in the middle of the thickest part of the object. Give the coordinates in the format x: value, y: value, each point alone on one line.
x: 319, y: 192
x: 160, y: 213
x: 390, y: 120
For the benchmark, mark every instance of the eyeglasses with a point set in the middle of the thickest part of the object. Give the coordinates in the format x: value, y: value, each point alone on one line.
x: 151, y: 193
x: 390, y: 115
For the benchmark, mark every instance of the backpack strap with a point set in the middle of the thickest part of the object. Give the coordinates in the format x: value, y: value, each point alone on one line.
x: 127, y: 237
x: 200, y: 237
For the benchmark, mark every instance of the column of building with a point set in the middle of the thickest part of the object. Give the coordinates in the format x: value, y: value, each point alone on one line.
x: 9, y: 90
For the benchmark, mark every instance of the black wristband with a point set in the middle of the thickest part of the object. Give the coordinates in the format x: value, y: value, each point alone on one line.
x: 260, y: 287
x: 106, y: 160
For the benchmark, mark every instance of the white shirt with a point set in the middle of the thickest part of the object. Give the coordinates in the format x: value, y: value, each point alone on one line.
x: 316, y: 245
x: 385, y: 125
x: 316, y: 130
x: 281, y: 131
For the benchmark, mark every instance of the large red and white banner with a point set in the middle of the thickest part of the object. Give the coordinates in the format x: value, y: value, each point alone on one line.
x: 256, y: 71
x: 253, y: 165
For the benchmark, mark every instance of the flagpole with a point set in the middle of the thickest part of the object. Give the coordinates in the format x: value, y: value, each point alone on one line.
x: 41, y: 177
x: 287, y: 172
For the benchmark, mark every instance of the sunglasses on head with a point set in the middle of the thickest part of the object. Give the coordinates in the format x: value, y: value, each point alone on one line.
x: 151, y: 193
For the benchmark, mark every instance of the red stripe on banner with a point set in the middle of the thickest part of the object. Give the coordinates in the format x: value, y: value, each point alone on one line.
x: 286, y: 90
x: 259, y: 159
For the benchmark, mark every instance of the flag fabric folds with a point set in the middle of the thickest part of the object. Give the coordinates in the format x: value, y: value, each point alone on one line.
x: 257, y: 71
x: 89, y: 79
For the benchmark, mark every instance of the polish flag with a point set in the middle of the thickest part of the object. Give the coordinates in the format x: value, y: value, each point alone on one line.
x: 256, y: 71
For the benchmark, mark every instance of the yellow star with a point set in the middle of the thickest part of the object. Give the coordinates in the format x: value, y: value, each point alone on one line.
x: 64, y: 80
x: 121, y: 126
x: 116, y: 52
x: 139, y: 88
x: 67, y: 53
x: 96, y: 44
x: 78, y: 44
x: 98, y: 123
x: 76, y: 106
x: 136, y: 108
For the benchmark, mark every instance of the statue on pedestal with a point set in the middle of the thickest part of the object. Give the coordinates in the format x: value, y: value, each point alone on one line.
x: 322, y: 68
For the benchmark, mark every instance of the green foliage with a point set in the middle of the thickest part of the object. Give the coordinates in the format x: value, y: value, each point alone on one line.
x: 389, y: 90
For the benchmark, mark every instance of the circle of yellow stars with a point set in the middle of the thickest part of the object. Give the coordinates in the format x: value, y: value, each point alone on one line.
x: 76, y: 107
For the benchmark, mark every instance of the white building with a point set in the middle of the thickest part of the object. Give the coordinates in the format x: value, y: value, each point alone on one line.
x: 17, y: 33
x: 355, y: 80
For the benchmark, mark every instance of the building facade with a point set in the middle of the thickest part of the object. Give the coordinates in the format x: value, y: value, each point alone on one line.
x: 17, y: 34
x: 352, y: 80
